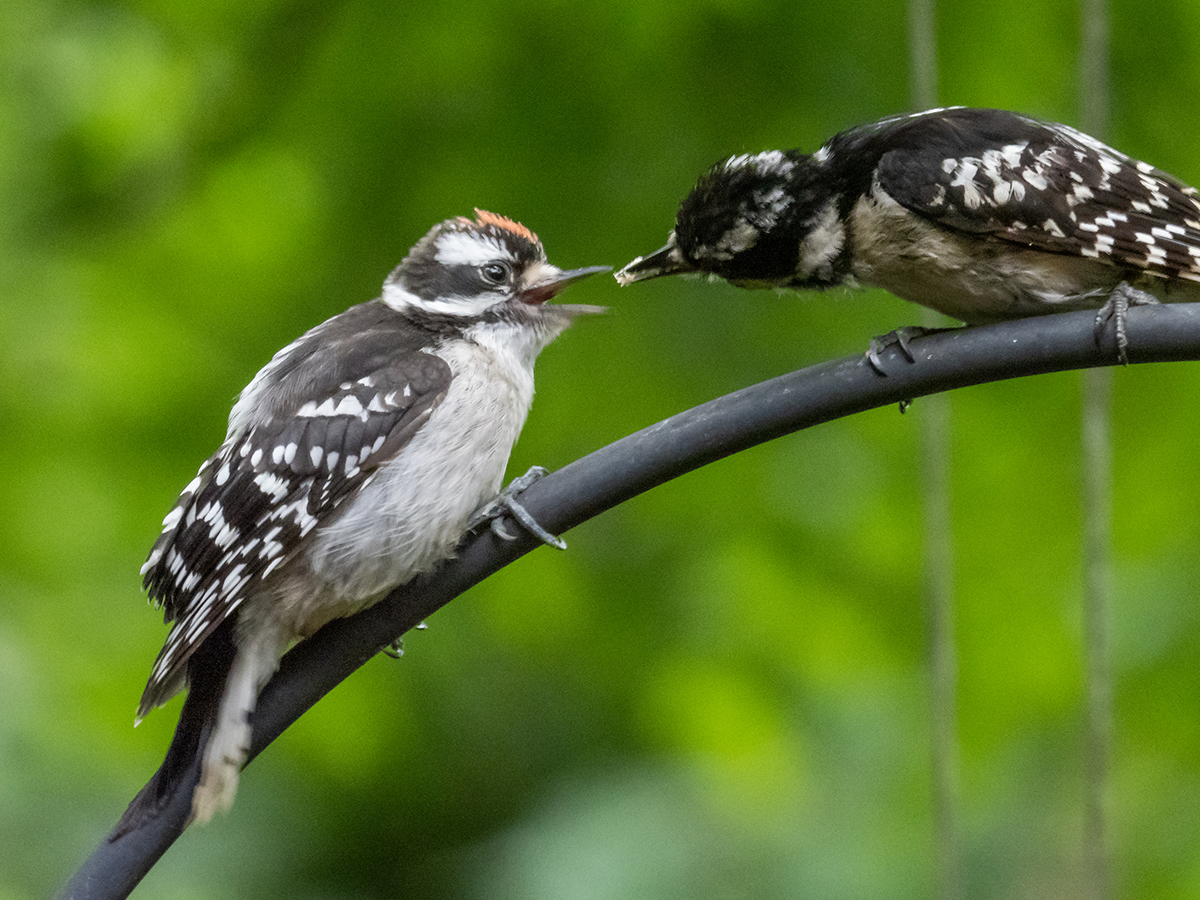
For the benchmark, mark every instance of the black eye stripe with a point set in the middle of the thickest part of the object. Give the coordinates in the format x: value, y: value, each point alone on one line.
x: 460, y: 281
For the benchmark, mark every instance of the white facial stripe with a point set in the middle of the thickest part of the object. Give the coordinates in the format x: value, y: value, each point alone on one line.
x: 399, y: 299
x: 459, y: 248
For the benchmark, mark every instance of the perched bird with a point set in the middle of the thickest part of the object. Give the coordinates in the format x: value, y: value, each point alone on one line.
x: 354, y: 461
x: 981, y: 214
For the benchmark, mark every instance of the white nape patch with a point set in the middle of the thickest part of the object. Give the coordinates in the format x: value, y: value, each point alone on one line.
x: 822, y: 245
x: 822, y: 155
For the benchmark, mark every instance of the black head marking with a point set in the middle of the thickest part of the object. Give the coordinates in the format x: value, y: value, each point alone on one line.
x: 465, y: 258
x: 743, y: 219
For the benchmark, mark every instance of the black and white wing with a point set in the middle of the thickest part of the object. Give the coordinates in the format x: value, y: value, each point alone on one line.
x: 1008, y: 177
x: 273, y: 482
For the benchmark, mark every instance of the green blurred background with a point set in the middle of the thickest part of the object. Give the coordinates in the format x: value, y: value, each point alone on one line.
x: 721, y: 690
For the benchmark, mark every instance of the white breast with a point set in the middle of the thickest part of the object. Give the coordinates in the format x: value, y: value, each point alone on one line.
x: 415, y: 508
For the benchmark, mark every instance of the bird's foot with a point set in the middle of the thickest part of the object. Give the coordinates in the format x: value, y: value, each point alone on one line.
x: 900, y: 338
x: 1124, y: 296
x: 505, y: 504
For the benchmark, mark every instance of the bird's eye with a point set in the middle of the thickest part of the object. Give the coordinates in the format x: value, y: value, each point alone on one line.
x: 494, y: 272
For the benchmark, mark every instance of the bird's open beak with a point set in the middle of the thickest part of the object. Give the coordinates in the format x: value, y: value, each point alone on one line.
x: 548, y: 286
x: 667, y: 261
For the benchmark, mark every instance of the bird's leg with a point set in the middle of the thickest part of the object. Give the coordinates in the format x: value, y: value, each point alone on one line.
x: 1124, y: 295
x: 506, y: 504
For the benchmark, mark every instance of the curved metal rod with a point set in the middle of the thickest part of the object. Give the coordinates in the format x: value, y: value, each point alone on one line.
x: 613, y: 474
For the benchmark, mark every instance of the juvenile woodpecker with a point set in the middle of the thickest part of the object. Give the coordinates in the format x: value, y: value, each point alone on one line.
x: 981, y: 214
x: 354, y: 461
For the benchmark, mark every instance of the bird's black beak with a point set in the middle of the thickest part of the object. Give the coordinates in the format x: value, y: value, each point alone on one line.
x: 667, y: 261
x: 548, y: 287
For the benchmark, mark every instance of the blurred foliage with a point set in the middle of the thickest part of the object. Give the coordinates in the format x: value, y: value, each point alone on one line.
x: 720, y: 690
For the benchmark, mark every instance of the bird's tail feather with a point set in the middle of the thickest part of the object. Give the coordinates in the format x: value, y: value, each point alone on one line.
x: 207, y: 671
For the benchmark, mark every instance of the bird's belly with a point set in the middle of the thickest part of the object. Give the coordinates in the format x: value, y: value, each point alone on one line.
x: 972, y: 278
x: 416, y: 507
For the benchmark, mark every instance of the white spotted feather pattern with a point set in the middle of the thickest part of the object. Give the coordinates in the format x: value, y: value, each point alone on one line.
x: 255, y: 501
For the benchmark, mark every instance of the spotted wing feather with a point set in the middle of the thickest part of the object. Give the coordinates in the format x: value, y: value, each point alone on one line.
x: 255, y: 501
x: 1048, y: 187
